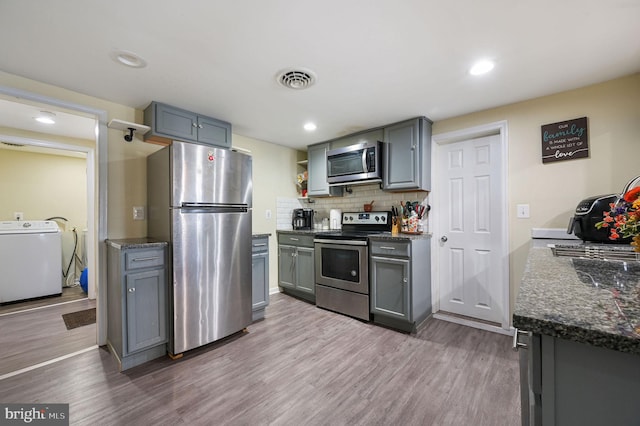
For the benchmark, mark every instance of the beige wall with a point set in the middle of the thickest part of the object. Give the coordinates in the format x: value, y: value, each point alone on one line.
x: 43, y: 186
x: 274, y: 168
x: 274, y: 171
x: 554, y: 189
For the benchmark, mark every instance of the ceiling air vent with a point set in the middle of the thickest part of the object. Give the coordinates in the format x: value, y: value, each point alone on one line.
x: 297, y: 79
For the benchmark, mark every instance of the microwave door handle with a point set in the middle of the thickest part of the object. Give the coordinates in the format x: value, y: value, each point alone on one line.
x: 365, y: 167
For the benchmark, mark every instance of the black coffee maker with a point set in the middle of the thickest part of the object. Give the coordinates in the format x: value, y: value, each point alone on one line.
x: 302, y: 219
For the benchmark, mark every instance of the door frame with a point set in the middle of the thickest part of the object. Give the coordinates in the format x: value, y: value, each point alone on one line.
x: 500, y: 129
x: 97, y: 211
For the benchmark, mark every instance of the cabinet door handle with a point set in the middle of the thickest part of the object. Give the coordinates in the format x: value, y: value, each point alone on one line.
x: 294, y: 239
x: 516, y: 344
x: 260, y: 245
x: 387, y: 248
x: 404, y: 280
x: 145, y: 259
x: 132, y: 290
x: 200, y: 126
x: 194, y: 124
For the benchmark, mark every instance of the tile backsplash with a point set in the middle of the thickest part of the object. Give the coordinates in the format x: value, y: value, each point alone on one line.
x: 354, y: 202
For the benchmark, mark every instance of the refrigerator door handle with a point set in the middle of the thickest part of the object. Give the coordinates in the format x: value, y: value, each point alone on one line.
x: 212, y: 205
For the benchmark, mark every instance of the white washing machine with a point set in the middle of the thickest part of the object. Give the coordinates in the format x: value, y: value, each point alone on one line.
x: 30, y: 260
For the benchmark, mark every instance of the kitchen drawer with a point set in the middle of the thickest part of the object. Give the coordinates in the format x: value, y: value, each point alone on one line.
x: 139, y: 259
x: 391, y: 248
x: 259, y: 245
x: 304, y: 240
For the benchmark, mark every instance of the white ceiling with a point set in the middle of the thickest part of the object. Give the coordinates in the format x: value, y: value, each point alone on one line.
x: 377, y: 61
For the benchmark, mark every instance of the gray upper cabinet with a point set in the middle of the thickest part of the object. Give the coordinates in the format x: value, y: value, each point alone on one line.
x: 407, y: 156
x: 369, y: 136
x: 168, y: 123
x: 317, y: 185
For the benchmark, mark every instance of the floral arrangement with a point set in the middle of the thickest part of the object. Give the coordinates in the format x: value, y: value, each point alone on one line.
x: 624, y: 218
x: 301, y: 181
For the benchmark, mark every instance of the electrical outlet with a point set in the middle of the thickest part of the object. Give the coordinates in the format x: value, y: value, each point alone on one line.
x: 523, y: 211
x: 267, y: 214
x: 138, y: 213
x: 18, y: 215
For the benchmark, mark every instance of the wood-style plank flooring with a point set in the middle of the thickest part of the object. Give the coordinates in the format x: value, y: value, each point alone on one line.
x: 34, y: 336
x: 300, y: 366
x: 68, y: 294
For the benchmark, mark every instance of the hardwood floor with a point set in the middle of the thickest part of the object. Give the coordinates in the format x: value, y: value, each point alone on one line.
x: 34, y: 336
x: 68, y: 294
x: 300, y: 366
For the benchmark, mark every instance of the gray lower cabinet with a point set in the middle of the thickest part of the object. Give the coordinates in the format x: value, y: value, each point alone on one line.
x: 296, y: 265
x: 573, y: 383
x: 400, y: 277
x: 407, y: 156
x: 260, y: 276
x: 136, y: 302
x: 317, y: 185
x: 168, y: 123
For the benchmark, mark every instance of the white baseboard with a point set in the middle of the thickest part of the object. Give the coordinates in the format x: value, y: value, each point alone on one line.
x: 474, y: 324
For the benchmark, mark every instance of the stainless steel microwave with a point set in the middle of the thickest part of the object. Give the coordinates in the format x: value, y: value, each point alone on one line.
x: 359, y: 163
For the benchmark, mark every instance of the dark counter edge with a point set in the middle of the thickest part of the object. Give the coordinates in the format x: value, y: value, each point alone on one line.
x: 577, y: 334
x: 130, y: 243
x: 383, y: 236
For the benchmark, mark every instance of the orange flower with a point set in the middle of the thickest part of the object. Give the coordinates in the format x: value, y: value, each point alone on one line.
x: 632, y: 195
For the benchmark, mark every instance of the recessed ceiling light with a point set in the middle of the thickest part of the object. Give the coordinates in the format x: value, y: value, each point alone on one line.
x: 46, y: 117
x: 481, y: 67
x: 127, y: 58
x: 310, y: 127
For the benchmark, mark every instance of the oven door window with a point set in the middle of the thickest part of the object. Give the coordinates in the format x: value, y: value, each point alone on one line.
x: 341, y: 264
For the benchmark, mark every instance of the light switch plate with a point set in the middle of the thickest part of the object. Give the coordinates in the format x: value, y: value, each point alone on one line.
x: 523, y: 211
x: 267, y: 214
x: 138, y: 213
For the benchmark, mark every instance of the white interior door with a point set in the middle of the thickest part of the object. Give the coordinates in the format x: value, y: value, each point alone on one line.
x: 471, y: 209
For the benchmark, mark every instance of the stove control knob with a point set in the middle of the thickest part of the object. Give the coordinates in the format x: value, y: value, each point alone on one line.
x: 377, y: 219
x: 383, y: 218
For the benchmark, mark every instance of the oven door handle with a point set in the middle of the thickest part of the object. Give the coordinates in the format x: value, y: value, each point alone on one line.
x: 341, y: 242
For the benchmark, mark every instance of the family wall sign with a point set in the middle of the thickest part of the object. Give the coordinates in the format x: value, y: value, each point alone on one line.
x: 566, y: 140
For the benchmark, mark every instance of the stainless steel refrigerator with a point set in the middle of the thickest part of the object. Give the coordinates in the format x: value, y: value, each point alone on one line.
x: 199, y: 200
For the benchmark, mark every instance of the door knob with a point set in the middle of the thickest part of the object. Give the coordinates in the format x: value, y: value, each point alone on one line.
x: 444, y: 239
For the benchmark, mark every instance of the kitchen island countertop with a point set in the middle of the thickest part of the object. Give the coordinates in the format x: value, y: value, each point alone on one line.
x: 584, y: 300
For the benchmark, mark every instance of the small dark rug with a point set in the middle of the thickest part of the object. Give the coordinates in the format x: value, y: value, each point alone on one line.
x: 80, y: 318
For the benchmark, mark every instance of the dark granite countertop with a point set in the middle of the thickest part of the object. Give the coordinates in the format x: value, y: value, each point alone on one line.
x: 585, y: 300
x: 132, y: 243
x: 382, y: 236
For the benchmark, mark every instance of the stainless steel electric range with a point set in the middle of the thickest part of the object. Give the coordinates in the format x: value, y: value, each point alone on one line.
x: 342, y: 263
